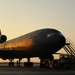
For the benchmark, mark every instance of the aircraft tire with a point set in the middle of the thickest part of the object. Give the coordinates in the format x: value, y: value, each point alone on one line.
x: 46, y: 64
x: 41, y: 65
x: 55, y: 64
x: 28, y: 64
x: 11, y: 63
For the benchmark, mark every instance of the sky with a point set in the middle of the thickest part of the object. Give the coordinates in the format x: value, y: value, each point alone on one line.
x: 18, y: 17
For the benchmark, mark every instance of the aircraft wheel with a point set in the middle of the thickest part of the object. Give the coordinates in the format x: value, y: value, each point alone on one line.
x: 28, y: 64
x: 11, y: 63
x: 46, y: 64
x: 42, y: 65
x: 55, y: 64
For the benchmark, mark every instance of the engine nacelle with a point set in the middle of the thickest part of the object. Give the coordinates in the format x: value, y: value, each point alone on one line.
x: 3, y: 38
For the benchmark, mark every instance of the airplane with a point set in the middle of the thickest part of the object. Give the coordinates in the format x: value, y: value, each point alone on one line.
x: 41, y: 43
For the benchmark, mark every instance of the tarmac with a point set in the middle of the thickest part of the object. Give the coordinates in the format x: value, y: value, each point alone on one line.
x: 34, y: 71
x: 6, y: 70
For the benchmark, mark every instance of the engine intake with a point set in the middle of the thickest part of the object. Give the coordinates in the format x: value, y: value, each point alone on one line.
x: 3, y: 38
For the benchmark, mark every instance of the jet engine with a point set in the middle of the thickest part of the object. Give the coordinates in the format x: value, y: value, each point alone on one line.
x: 3, y: 38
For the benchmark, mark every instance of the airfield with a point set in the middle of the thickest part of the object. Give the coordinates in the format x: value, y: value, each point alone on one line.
x: 35, y: 70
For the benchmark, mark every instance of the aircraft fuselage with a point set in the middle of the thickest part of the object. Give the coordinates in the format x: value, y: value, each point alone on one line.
x: 39, y: 43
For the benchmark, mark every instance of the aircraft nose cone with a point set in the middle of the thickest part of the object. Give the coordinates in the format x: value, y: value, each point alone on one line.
x: 62, y: 40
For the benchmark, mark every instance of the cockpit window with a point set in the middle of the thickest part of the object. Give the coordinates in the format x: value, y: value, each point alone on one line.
x: 57, y: 34
x: 51, y: 34
x: 48, y: 35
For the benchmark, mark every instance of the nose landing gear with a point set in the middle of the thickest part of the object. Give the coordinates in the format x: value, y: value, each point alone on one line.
x: 46, y: 61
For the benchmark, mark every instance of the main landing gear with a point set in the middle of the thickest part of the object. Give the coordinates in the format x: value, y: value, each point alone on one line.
x: 11, y: 63
x: 28, y: 63
x: 46, y: 61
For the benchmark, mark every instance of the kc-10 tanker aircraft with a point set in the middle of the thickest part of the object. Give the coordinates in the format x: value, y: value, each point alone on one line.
x: 41, y: 43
